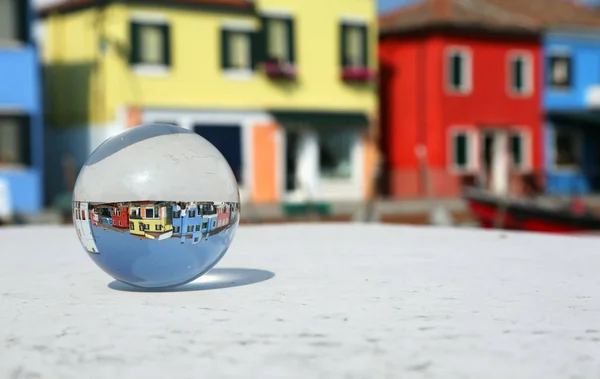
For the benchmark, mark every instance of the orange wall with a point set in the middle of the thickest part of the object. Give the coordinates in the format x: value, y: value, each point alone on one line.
x: 264, y: 148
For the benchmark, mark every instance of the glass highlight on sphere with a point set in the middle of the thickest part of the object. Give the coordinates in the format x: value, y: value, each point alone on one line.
x: 156, y: 206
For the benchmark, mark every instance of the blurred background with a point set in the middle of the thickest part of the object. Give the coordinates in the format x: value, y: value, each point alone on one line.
x: 447, y: 112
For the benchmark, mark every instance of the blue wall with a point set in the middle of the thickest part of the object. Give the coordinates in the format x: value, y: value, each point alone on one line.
x: 20, y: 91
x: 585, y: 52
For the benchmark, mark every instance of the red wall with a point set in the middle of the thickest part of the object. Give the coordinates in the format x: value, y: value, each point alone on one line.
x: 416, y: 107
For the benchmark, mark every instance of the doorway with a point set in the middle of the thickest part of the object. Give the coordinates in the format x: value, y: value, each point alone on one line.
x: 291, y: 161
x: 228, y: 140
x: 495, y: 163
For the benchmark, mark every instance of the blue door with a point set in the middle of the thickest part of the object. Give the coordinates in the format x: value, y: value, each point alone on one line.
x: 228, y: 139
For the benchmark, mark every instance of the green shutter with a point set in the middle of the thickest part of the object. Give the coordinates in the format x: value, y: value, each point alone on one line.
x: 225, y: 49
x: 291, y: 40
x: 134, y: 43
x: 516, y: 150
x: 22, y: 18
x: 365, y: 46
x: 257, y: 47
x: 461, y: 150
x: 343, y: 45
x: 166, y: 30
x: 264, y: 39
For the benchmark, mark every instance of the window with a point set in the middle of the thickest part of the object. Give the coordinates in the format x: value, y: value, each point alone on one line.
x: 131, y: 227
x: 150, y: 43
x: 335, y: 154
x: 517, y: 149
x: 158, y: 228
x: 204, y: 225
x: 461, y: 150
x: 236, y: 49
x: 190, y: 228
x: 152, y: 212
x: 459, y: 70
x: 567, y: 146
x: 13, y: 21
x: 560, y: 71
x: 520, y: 74
x: 176, y: 229
x: 120, y: 223
x: 195, y: 239
x: 192, y: 213
x: 279, y: 39
x: 177, y: 214
x: 198, y: 227
x: 14, y: 141
x: 354, y: 45
x: 141, y: 227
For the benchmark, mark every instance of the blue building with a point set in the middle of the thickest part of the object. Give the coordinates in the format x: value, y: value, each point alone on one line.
x: 195, y: 223
x: 21, y: 115
x: 572, y: 111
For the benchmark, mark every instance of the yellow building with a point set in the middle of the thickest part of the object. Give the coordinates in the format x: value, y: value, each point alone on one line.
x: 284, y: 88
x: 150, y: 220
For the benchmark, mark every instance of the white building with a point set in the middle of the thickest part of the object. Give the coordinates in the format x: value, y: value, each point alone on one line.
x: 81, y: 219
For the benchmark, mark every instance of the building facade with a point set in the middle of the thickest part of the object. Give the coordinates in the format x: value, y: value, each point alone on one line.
x: 21, y: 112
x: 283, y: 88
x: 572, y: 111
x: 460, y: 98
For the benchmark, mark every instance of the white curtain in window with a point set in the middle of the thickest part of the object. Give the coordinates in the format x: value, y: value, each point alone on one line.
x: 10, y: 141
x: 151, y: 44
x: 8, y: 23
x: 240, y: 51
x: 355, y: 44
x: 278, y: 40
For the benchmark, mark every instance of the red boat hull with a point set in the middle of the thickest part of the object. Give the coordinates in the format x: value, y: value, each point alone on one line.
x: 488, y: 214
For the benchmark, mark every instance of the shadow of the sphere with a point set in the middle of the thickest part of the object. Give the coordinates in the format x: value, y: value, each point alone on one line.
x: 217, y: 278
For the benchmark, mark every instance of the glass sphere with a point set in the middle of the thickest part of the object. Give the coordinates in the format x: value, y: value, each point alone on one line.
x: 156, y: 206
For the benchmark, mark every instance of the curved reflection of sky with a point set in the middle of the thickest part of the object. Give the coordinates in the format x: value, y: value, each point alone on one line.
x: 152, y: 263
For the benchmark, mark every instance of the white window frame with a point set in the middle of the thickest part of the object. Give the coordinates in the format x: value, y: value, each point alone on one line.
x: 558, y: 52
x: 240, y: 26
x: 526, y: 147
x: 578, y: 149
x: 472, y: 149
x: 150, y: 19
x: 467, y: 72
x: 528, y: 84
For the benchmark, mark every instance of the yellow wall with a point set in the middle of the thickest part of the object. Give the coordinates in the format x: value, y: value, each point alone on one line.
x: 196, y: 79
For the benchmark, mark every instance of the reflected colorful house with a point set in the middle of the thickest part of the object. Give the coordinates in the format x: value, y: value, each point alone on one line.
x: 151, y: 220
x: 223, y: 214
x: 120, y: 217
x: 192, y: 221
x: 94, y: 217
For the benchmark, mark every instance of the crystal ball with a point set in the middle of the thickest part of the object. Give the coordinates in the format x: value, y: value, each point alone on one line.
x: 156, y: 206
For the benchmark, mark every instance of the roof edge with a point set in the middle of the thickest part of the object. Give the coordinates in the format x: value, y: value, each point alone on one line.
x: 208, y: 5
x: 445, y: 26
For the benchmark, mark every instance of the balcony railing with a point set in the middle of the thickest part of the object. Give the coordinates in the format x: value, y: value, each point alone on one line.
x: 358, y: 74
x: 280, y: 70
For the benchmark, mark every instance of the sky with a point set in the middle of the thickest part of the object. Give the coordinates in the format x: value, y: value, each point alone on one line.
x: 386, y: 5
x: 383, y: 5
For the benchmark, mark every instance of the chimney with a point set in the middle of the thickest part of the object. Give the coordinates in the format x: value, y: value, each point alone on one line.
x: 441, y: 8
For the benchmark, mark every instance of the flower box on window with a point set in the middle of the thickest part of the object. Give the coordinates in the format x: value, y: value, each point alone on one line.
x: 358, y: 74
x: 284, y: 70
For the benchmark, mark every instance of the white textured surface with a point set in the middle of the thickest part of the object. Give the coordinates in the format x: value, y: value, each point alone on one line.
x: 171, y: 167
x: 350, y: 301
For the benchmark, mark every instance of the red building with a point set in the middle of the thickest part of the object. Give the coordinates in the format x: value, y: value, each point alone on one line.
x: 120, y: 217
x: 223, y: 213
x: 460, y: 96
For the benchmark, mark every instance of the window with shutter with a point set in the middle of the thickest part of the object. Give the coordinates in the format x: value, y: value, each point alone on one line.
x: 14, y: 24
x: 150, y: 44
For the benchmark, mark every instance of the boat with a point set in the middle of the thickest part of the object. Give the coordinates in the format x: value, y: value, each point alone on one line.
x: 531, y: 214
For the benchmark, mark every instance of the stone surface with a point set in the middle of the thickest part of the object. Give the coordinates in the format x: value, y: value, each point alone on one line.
x: 311, y: 301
